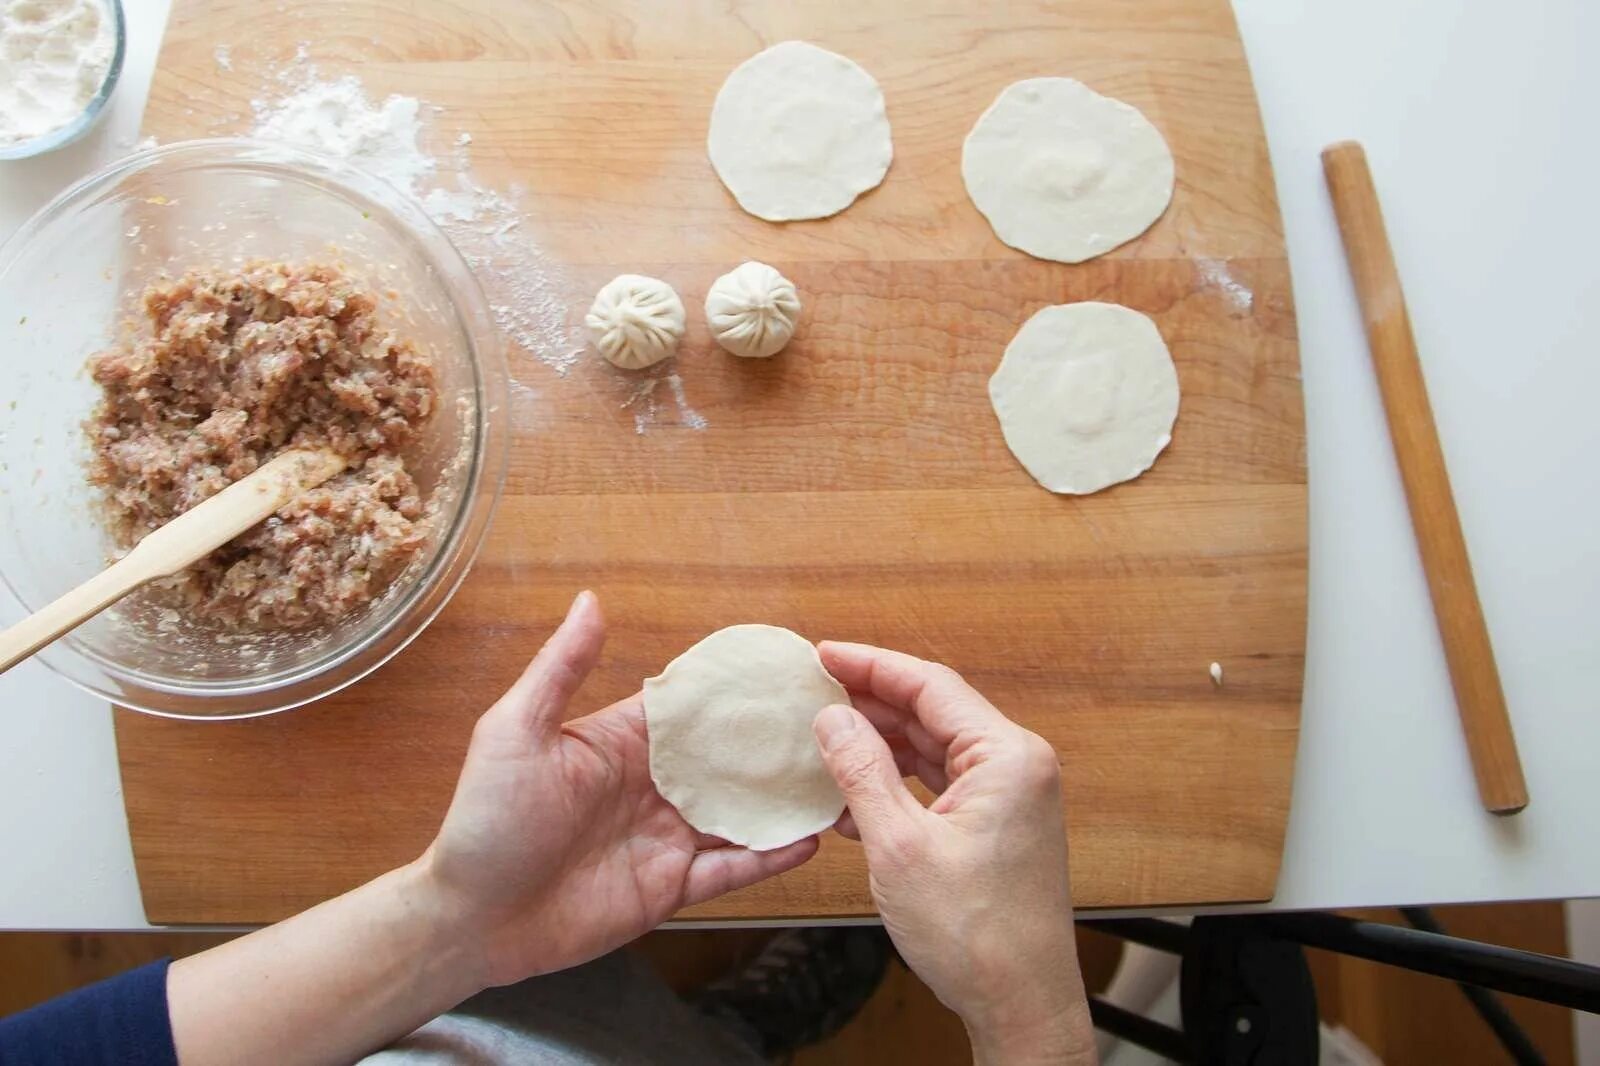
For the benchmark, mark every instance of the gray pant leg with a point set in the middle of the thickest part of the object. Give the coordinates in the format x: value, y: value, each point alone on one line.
x: 615, y: 1009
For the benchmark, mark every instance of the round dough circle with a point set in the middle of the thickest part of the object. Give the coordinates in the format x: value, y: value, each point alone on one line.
x: 636, y: 321
x: 799, y: 132
x: 731, y: 744
x: 752, y: 310
x: 1086, y: 395
x: 1064, y: 173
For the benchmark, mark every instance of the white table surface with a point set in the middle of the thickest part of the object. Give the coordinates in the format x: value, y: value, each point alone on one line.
x: 1485, y: 158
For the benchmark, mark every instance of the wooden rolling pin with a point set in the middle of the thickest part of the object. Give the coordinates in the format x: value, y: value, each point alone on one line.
x: 182, y: 541
x: 1479, y: 698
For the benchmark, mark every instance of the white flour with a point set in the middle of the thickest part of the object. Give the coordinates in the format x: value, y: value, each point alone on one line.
x: 525, y: 290
x: 642, y: 399
x: 54, y: 55
x: 336, y: 118
x: 1216, y: 274
x: 688, y: 415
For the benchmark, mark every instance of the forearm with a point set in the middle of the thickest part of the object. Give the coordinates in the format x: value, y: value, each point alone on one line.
x: 1067, y: 1040
x: 1042, y: 1020
x: 329, y: 985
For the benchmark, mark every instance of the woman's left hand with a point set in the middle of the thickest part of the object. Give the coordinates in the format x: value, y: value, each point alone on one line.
x: 557, y: 847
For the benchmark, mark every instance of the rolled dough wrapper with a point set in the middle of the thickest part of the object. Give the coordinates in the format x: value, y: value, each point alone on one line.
x: 731, y: 745
x: 799, y: 132
x: 1086, y: 395
x: 1064, y: 173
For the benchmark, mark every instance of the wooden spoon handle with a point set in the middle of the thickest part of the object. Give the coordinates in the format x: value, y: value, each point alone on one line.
x: 1479, y: 699
x: 180, y: 542
x: 71, y: 610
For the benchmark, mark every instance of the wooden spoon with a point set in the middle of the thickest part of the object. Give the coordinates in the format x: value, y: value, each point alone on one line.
x: 182, y: 541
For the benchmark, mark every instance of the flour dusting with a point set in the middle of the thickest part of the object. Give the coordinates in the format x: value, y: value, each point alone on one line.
x: 523, y: 286
x: 686, y: 414
x: 1216, y: 274
x: 337, y: 118
x: 643, y: 399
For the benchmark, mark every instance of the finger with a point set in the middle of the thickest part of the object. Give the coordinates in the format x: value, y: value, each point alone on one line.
x: 846, y: 826
x: 616, y: 737
x: 938, y: 697
x: 911, y: 764
x: 541, y: 694
x: 918, y: 737
x: 625, y: 718
x: 707, y: 842
x: 896, y: 723
x: 722, y: 870
x: 933, y: 775
x: 884, y: 718
x: 864, y: 768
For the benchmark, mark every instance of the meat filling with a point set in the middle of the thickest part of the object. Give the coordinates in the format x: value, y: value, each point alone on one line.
x: 237, y: 366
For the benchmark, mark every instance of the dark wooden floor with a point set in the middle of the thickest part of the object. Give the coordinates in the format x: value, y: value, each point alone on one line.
x: 1405, y: 1018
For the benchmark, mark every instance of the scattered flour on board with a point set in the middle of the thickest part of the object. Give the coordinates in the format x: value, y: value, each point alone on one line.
x: 1216, y: 274
x: 336, y: 118
x: 642, y: 399
x: 223, y: 57
x: 686, y: 414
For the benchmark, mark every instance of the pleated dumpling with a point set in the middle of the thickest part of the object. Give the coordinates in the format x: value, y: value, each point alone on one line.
x: 636, y: 321
x: 752, y: 310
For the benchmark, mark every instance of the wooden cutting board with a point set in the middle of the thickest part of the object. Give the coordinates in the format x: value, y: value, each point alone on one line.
x: 855, y: 487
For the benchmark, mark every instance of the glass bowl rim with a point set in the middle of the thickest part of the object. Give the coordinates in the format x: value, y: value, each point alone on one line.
x: 84, y: 121
x: 457, y: 549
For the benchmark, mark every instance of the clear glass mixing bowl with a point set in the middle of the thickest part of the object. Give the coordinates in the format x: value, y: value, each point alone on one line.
x: 69, y: 284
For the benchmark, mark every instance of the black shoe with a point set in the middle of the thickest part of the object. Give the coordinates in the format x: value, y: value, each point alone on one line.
x: 803, y: 987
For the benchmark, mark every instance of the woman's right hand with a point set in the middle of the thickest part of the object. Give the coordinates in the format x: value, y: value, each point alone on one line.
x: 972, y: 889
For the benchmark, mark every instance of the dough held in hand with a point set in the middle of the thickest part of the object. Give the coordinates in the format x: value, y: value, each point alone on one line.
x: 1086, y: 395
x: 731, y: 745
x: 752, y: 310
x: 799, y: 132
x: 1064, y: 173
x: 636, y: 321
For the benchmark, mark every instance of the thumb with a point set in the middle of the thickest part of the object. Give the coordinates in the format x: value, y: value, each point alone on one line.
x: 540, y: 696
x: 864, y: 769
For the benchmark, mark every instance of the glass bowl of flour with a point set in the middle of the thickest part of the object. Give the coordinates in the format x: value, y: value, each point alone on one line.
x: 59, y: 64
x: 71, y: 281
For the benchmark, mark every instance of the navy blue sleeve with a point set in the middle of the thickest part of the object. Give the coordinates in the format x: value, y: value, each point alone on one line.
x: 123, y: 1020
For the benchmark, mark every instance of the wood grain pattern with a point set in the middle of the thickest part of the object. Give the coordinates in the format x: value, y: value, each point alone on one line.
x: 855, y: 487
x: 1479, y: 697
